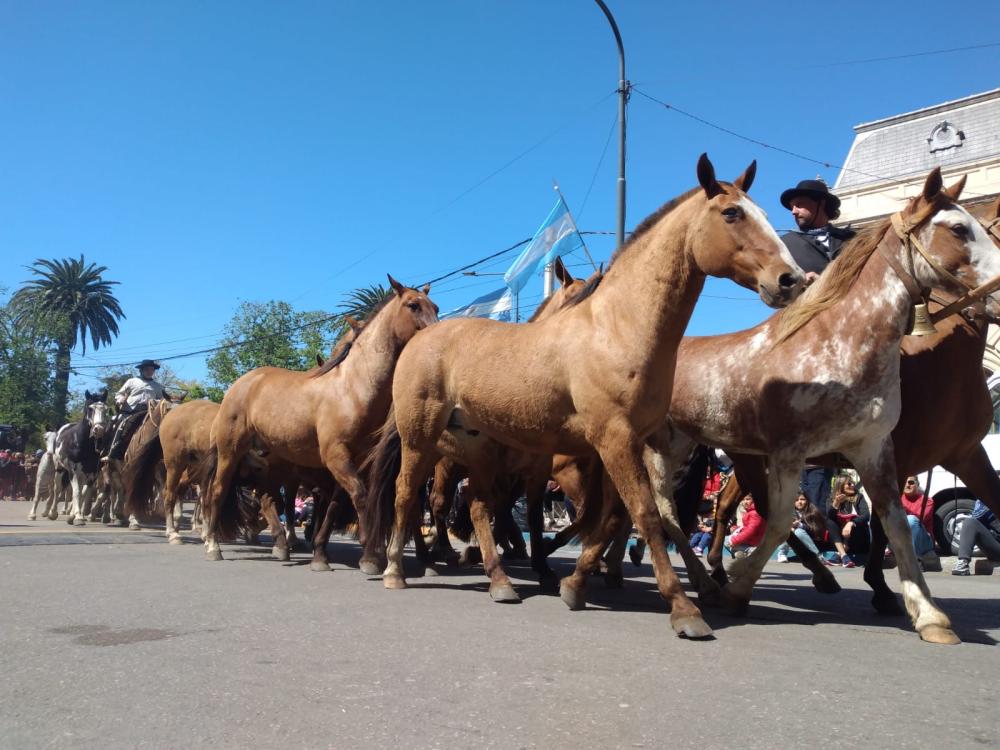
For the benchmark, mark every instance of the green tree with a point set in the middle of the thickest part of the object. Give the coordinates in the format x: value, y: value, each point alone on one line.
x: 25, y: 375
x: 72, y: 299
x: 269, y: 334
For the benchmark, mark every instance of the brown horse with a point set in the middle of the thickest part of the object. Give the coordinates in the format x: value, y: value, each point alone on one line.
x: 945, y: 412
x: 823, y: 376
x: 594, y: 376
x: 323, y: 419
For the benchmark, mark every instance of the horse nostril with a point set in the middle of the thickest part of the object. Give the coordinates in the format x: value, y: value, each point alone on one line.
x: 787, y: 280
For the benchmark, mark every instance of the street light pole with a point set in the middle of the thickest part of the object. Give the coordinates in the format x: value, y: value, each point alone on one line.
x: 624, y: 88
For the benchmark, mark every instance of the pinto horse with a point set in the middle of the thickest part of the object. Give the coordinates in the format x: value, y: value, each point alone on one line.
x: 77, y: 455
x: 323, y: 419
x: 823, y: 376
x: 945, y: 412
x: 595, y: 376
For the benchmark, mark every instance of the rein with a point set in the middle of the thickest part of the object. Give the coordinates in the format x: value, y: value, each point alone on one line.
x: 919, y: 295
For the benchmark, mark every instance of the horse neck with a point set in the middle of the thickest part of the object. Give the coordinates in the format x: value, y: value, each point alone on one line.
x: 649, y: 293
x: 373, y: 356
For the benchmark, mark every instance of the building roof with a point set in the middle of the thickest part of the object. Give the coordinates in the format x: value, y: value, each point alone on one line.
x: 963, y: 131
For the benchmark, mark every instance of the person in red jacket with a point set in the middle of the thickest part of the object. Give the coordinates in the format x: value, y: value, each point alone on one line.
x: 919, y: 511
x: 745, y: 538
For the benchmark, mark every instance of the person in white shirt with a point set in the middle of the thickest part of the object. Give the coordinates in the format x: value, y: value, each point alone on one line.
x: 131, y: 401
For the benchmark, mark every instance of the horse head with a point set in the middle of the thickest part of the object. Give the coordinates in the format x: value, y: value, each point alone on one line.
x: 95, y: 412
x: 413, y: 310
x: 953, y: 249
x: 734, y: 239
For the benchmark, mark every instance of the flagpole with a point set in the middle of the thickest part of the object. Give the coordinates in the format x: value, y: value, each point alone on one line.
x: 624, y: 88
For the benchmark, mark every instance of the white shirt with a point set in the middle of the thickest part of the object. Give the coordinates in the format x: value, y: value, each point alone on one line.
x: 137, y: 391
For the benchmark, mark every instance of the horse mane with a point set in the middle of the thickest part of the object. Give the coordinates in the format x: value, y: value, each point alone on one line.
x: 642, y: 229
x: 343, y: 346
x: 834, y: 283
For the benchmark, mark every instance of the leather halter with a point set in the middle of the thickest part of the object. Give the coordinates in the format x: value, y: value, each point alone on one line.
x: 918, y: 294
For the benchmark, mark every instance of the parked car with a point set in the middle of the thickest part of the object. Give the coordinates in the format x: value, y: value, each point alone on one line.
x: 953, y: 501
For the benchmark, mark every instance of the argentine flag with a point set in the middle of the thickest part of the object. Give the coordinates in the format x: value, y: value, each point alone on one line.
x: 496, y: 305
x: 557, y: 236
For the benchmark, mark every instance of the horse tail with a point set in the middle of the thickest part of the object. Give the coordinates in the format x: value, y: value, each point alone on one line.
x: 590, y: 515
x: 226, y: 518
x: 139, y: 476
x: 384, y: 463
x: 689, y: 485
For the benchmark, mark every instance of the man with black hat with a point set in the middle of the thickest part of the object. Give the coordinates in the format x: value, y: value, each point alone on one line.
x: 817, y: 242
x: 131, y: 401
x: 814, y: 247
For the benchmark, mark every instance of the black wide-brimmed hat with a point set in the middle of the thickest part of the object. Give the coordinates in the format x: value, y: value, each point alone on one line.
x: 815, y: 189
x: 147, y: 363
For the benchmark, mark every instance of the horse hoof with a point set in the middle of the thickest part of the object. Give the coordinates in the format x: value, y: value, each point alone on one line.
x: 369, y: 567
x: 735, y: 605
x: 887, y: 605
x: 572, y: 598
x: 213, y: 555
x: 939, y: 634
x: 281, y: 553
x: 393, y: 582
x: 614, y: 580
x: 824, y: 582
x: 133, y: 526
x: 53, y: 517
x: 319, y: 566
x: 690, y: 626
x: 635, y: 555
x: 503, y: 593
x: 31, y: 516
x: 78, y: 522
x: 176, y: 539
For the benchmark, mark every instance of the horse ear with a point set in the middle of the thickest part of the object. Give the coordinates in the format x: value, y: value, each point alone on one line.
x: 104, y: 395
x: 86, y: 395
x: 396, y: 286
x: 319, y: 359
x: 562, y: 273
x: 353, y: 324
x: 956, y: 190
x: 426, y: 289
x: 745, y: 180
x: 706, y: 177
x: 933, y: 183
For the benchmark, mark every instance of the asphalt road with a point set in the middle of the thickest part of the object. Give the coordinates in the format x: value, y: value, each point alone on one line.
x: 113, y: 639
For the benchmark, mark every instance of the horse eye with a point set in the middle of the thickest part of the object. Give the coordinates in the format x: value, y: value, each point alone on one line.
x: 731, y: 213
x: 960, y: 230
x: 413, y: 306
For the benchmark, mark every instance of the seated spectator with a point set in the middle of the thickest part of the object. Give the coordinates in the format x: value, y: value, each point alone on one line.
x: 920, y: 515
x: 808, y: 525
x: 701, y: 539
x: 847, y: 521
x: 745, y: 537
x: 981, y: 529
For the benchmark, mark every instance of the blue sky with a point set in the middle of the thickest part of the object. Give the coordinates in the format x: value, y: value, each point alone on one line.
x: 208, y: 153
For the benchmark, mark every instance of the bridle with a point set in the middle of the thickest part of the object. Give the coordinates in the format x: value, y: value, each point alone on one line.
x: 919, y: 295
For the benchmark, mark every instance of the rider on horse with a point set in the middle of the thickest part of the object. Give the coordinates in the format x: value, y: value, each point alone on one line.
x: 131, y: 400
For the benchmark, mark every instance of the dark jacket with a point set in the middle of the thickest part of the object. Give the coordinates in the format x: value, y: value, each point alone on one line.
x: 810, y: 253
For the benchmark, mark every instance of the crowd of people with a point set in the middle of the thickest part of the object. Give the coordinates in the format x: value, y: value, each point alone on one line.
x: 17, y: 474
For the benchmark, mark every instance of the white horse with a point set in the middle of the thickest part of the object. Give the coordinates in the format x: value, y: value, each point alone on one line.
x: 45, y: 482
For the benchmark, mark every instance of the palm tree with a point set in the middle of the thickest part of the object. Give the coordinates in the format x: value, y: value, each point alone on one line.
x: 359, y: 303
x: 73, y: 299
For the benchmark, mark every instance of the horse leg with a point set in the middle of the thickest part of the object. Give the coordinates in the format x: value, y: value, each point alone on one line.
x: 339, y: 463
x: 322, y: 528
x: 614, y: 517
x: 220, y: 485
x: 876, y: 465
x: 823, y: 580
x: 622, y: 456
x: 415, y: 463
x: 291, y: 535
x: 481, y: 485
x: 614, y: 578
x: 744, y: 572
x: 658, y: 467
x: 883, y: 600
x: 279, y: 542
x: 446, y: 481
x: 169, y: 501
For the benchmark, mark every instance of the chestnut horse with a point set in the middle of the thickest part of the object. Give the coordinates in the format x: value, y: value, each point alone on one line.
x: 945, y: 412
x: 594, y: 376
x: 823, y: 376
x: 321, y: 419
